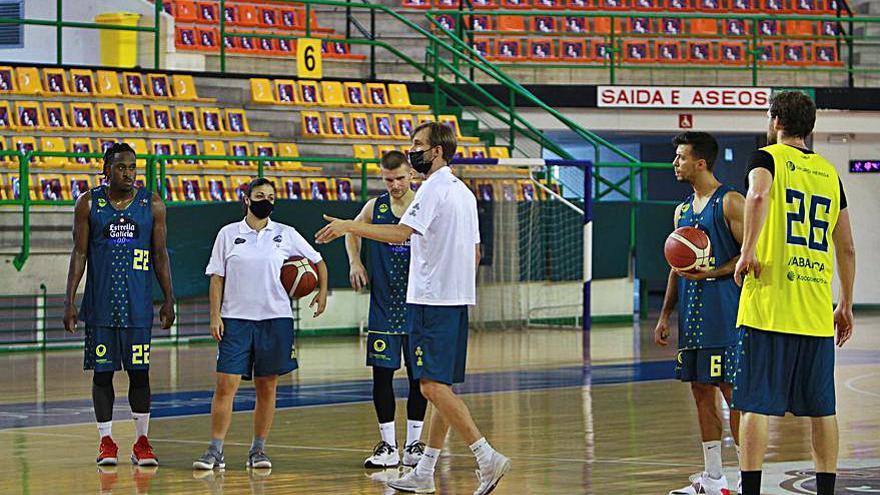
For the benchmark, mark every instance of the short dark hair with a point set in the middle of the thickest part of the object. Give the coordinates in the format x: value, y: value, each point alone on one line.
x: 796, y: 112
x: 259, y: 181
x: 393, y: 160
x: 703, y: 145
x: 440, y: 135
x: 115, y: 149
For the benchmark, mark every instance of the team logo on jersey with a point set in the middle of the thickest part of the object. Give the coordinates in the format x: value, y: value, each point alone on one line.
x: 419, y: 355
x: 383, y: 208
x: 791, y: 166
x: 277, y: 238
x: 121, y: 230
x: 685, y: 207
x: 413, y: 209
x: 379, y: 345
x: 100, y: 350
x: 239, y: 240
x: 102, y: 202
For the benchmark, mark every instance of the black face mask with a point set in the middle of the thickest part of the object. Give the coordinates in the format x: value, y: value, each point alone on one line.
x: 417, y: 160
x: 261, y: 209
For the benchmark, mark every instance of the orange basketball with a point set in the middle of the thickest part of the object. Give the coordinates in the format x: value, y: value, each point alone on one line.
x: 687, y: 248
x: 298, y: 276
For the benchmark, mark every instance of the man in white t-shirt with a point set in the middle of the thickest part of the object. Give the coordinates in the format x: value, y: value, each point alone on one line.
x: 441, y: 224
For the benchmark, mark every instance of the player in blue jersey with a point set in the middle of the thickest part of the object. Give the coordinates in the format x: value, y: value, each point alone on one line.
x: 708, y: 301
x: 387, y: 334
x: 119, y: 237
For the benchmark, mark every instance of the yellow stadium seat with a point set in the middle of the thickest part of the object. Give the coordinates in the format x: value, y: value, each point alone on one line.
x: 6, y: 122
x: 452, y: 121
x: 238, y: 185
x: 319, y: 189
x: 186, y: 119
x: 6, y: 162
x: 265, y: 149
x: 404, y: 125
x: 235, y: 123
x: 342, y: 189
x: 135, y: 118
x: 77, y: 185
x: 158, y: 86
x: 54, y: 116
x: 27, y: 115
x: 190, y: 188
x: 383, y: 127
x: 140, y: 149
x: 188, y: 147
x: 354, y: 94
x: 291, y: 150
x: 241, y: 148
x: 212, y: 147
x: 291, y: 188
x: 82, y: 145
x: 23, y: 144
x: 332, y: 94
x: 365, y: 151
x: 216, y: 188
x: 261, y: 92
x: 108, y: 84
x: 82, y: 82
x: 171, y: 192
x: 377, y: 95
x: 476, y: 152
x: 283, y: 92
x: 108, y: 117
x: 162, y: 147
x: 499, y: 152
x: 82, y: 116
x: 160, y: 118
x: 360, y: 126
x: 55, y: 82
x: 54, y: 144
x: 307, y: 92
x: 422, y: 118
x: 311, y: 125
x: 12, y: 186
x: 7, y: 80
x: 48, y: 187
x: 382, y: 149
x: 133, y: 85
x: 210, y: 121
x: 185, y: 89
x: 336, y: 127
x: 398, y: 97
x: 28, y: 81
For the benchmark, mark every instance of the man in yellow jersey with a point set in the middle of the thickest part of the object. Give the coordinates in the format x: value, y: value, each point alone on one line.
x: 795, y: 219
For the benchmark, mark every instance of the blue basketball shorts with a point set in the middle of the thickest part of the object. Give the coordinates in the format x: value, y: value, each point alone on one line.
x: 115, y: 348
x: 438, y: 342
x: 779, y: 372
x: 712, y: 365
x: 387, y: 350
x: 257, y: 348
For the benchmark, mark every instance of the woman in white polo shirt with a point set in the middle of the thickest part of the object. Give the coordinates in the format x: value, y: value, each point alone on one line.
x: 254, y: 323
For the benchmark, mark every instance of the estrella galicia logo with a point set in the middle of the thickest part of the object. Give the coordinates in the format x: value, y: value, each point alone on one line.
x: 277, y: 238
x: 121, y: 230
x: 790, y: 165
x: 239, y: 240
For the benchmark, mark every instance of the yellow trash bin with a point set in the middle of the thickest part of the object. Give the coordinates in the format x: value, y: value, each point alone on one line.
x: 118, y: 47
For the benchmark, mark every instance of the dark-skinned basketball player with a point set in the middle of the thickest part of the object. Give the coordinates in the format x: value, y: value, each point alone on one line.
x: 709, y: 298
x: 119, y: 237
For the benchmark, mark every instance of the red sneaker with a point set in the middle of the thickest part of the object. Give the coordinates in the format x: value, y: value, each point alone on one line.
x: 142, y: 453
x: 107, y: 452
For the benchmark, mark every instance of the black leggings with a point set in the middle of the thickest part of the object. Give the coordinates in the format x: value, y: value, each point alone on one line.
x: 383, y: 396
x: 103, y: 394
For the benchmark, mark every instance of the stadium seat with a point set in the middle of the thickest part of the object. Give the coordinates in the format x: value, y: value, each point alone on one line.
x: 599, y: 50
x: 459, y: 153
x: 248, y: 15
x: 404, y: 125
x: 216, y: 188
x: 382, y: 149
x: 736, y: 27
x: 648, y: 5
x: 579, y: 4
x: 108, y: 84
x: 186, y: 119
x: 319, y: 189
x: 732, y: 53
x: 311, y: 125
x: 261, y: 92
x: 384, y: 128
x: 107, y: 117
x: 207, y: 13
x: 185, y: 89
x: 6, y: 122
x: 235, y: 123
x: 612, y: 4
x: 794, y: 53
x: 513, y: 4
x: 52, y: 144
x: 27, y: 114
x: 82, y: 82
x: 307, y: 93
x: 800, y: 29
x: 265, y: 149
x: 485, y: 4
x: 267, y: 17
x: 301, y: 21
x: 78, y: 185
x: 332, y: 94
x: 826, y: 54
x: 158, y: 86
x: 360, y: 126
x: 7, y: 80
x: 712, y: 6
x: 377, y: 95
x: 54, y: 116
x: 133, y: 85
x: 640, y: 25
x: 509, y: 50
x: 23, y: 144
x: 190, y: 188
x: 417, y: 4
x: 499, y: 152
x: 668, y: 52
x: 743, y: 6
x: 422, y: 118
x: 188, y: 147
x: 575, y: 24
x: 185, y: 11
x: 238, y: 186
x: 288, y: 20
x: 768, y: 54
x: 209, y: 121
x: 700, y: 52
x: 602, y: 25
x: 161, y: 118
x: 208, y: 39
x: 573, y: 50
x: 336, y: 127
x: 134, y: 117
x: 476, y: 152
x: 291, y: 150
x: 452, y: 121
x: 773, y: 6
x: 768, y: 28
x: 55, y: 82
x: 82, y: 145
x: 163, y: 147
x: 139, y: 145
x: 515, y: 23
x: 28, y: 79
x: 703, y: 27
x: 541, y: 50
x: 637, y: 51
x: 354, y: 94
x: 211, y: 147
x: 284, y: 91
x: 671, y: 26
x: 481, y: 23
x: 49, y: 187
x: 398, y: 97
x: 240, y: 148
x: 545, y: 24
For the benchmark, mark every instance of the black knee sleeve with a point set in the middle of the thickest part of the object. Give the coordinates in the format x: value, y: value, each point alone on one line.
x: 383, y: 393
x: 416, y: 403
x: 139, y: 390
x: 103, y: 395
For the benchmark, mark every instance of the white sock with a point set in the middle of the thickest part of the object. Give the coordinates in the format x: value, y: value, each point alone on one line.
x: 413, y: 431
x: 426, y: 464
x: 141, y: 423
x: 482, y: 450
x: 105, y: 429
x: 386, y: 431
x: 712, y: 458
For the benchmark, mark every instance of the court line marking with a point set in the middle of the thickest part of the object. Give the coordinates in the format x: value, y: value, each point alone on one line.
x: 849, y: 384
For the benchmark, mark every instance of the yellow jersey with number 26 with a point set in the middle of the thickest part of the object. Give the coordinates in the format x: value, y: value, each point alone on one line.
x: 795, y: 249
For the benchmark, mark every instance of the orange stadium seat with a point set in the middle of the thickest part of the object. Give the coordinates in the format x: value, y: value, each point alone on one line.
x: 794, y: 53
x: 602, y: 25
x: 579, y: 4
x: 637, y: 51
x: 709, y: 5
x: 700, y: 52
x: 207, y: 13
x: 768, y: 28
x: 545, y: 24
x: 515, y: 23
x: 485, y: 4
x: 826, y: 54
x: 248, y: 15
x: 668, y: 52
x: 184, y: 11
x: 514, y: 4
x: 703, y: 27
x: 288, y: 19
x: 509, y: 50
x: 732, y: 53
x: 417, y: 4
x: 743, y: 6
x: 612, y: 4
x: 573, y: 50
x: 541, y: 50
x: 736, y: 27
x: 648, y: 5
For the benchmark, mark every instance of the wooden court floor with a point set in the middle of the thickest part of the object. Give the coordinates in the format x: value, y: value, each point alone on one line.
x: 623, y: 427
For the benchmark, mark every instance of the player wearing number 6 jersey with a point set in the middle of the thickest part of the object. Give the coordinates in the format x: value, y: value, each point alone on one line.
x: 795, y: 220
x: 119, y: 236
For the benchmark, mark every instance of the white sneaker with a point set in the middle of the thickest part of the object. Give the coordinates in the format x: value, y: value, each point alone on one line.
x: 412, y: 453
x: 702, y: 484
x: 490, y: 474
x: 739, y: 484
x: 413, y: 483
x: 384, y: 456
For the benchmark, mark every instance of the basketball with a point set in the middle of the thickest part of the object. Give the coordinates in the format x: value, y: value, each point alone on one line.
x: 298, y: 276
x: 687, y: 248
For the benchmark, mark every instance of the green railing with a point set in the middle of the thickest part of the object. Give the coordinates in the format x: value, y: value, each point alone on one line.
x: 156, y: 172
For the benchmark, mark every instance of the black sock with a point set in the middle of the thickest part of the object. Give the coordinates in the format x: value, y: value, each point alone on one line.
x: 825, y: 483
x: 103, y: 395
x: 383, y: 394
x: 139, y: 391
x: 751, y: 482
x: 416, y: 403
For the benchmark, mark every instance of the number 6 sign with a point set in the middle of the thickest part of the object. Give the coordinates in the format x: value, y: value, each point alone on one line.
x: 308, y: 58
